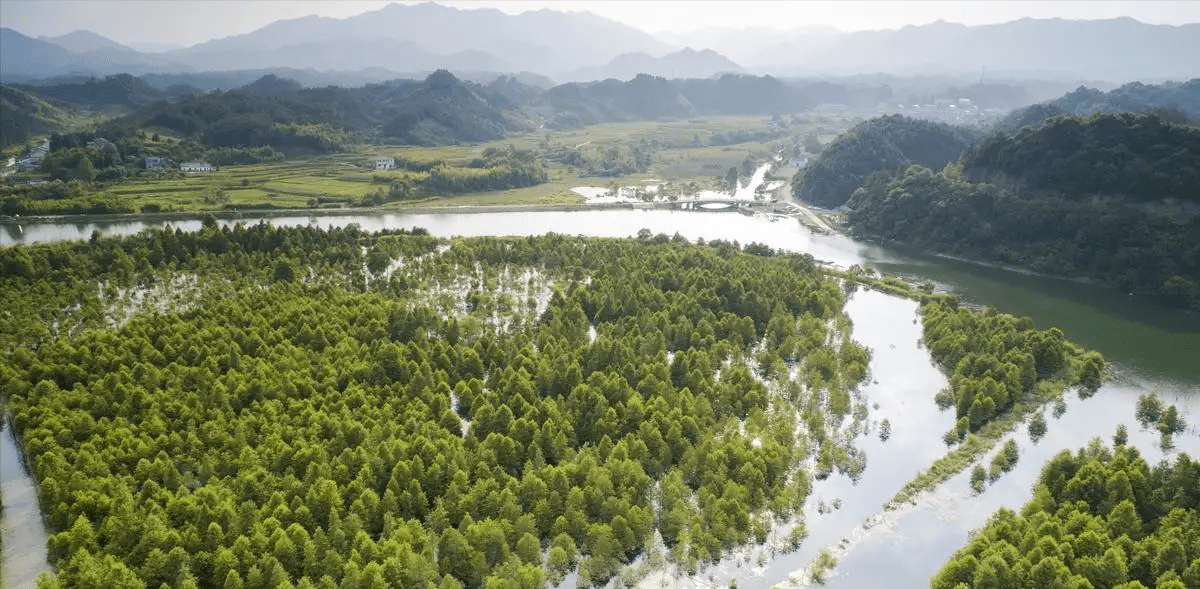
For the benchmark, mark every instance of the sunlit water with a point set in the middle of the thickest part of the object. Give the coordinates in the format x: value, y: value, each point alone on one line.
x: 1151, y: 349
x: 22, y: 528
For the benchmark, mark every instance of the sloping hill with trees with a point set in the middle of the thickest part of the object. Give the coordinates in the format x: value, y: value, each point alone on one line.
x: 122, y: 90
x: 1115, y: 198
x: 1137, y: 156
x: 438, y: 110
x: 883, y: 144
x: 1170, y: 100
x: 23, y: 114
x: 743, y: 94
x: 642, y: 98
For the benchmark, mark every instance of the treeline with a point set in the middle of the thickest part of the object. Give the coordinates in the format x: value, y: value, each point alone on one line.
x: 995, y: 360
x: 1174, y: 101
x: 650, y: 97
x: 1043, y: 207
x: 234, y: 119
x: 436, y: 111
x: 439, y: 110
x: 1098, y: 518
x: 1139, y: 157
x: 496, y: 169
x: 883, y: 144
x: 123, y: 90
x: 297, y: 407
x: 26, y: 114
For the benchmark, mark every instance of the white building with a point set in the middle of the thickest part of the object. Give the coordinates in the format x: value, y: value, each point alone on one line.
x: 196, y: 167
x: 384, y: 162
x: 155, y: 163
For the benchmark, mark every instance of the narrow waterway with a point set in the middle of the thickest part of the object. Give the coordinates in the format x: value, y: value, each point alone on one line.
x: 21, y: 522
x: 943, y: 520
x: 899, y: 389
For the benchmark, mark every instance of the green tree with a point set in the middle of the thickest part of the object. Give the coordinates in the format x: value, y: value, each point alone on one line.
x: 85, y: 171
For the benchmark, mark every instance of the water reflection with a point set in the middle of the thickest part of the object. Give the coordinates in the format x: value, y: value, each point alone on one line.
x: 13, y: 232
x: 945, y: 519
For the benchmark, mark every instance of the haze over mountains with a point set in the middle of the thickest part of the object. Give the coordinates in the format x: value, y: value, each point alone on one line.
x: 579, y: 46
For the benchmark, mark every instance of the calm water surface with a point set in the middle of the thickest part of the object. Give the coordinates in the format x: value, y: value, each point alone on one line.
x: 22, y: 529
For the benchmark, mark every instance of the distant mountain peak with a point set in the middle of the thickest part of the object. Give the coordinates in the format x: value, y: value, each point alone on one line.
x: 684, y: 63
x: 82, y: 41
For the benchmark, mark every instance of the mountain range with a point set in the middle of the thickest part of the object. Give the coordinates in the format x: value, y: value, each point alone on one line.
x: 578, y: 46
x: 1114, y: 50
x: 81, y: 52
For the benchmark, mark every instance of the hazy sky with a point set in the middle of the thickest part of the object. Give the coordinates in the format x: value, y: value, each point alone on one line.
x: 187, y: 22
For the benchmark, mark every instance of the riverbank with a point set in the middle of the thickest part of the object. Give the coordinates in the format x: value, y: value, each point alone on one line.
x: 740, y: 200
x: 807, y: 217
x: 230, y: 215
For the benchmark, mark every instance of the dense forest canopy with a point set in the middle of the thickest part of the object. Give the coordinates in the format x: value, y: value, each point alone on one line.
x: 296, y: 407
x: 438, y: 110
x: 124, y: 90
x: 1174, y: 100
x: 1138, y: 156
x: 273, y: 407
x: 1099, y: 518
x: 882, y: 144
x: 648, y: 98
x: 1110, y: 197
x: 26, y: 114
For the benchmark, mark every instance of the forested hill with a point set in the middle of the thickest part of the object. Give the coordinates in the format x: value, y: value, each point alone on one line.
x: 121, y: 90
x: 1115, y: 198
x: 1174, y: 100
x: 1140, y: 157
x: 26, y: 114
x: 883, y: 144
x: 438, y: 110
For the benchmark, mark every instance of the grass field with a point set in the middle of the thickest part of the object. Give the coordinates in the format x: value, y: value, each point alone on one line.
x: 680, y: 149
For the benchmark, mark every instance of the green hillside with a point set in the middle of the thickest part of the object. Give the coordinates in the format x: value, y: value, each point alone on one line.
x: 1111, y: 198
x: 23, y: 114
x: 883, y: 144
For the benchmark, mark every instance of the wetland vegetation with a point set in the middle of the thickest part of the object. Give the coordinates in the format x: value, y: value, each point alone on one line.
x: 471, y: 412
x: 1100, y: 517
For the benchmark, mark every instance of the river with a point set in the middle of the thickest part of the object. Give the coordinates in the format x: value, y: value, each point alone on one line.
x: 1151, y: 349
x: 21, y: 525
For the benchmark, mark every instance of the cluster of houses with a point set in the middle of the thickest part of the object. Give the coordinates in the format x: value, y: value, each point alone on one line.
x: 33, y: 160
x: 962, y: 111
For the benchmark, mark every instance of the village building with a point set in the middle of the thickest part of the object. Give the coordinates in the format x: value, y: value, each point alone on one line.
x: 33, y: 160
x: 384, y: 162
x: 155, y: 163
x: 196, y: 167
